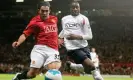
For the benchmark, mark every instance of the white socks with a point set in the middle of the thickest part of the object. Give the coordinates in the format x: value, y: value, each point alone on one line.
x: 96, y: 75
x: 76, y: 66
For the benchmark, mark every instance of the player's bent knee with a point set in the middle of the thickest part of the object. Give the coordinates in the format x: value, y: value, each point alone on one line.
x: 31, y: 75
x: 33, y: 72
x: 54, y: 65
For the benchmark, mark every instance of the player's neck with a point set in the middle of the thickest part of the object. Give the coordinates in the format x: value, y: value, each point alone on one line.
x: 75, y: 15
x: 43, y: 19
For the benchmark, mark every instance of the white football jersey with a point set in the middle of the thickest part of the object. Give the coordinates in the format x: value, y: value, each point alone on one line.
x: 95, y: 59
x: 78, y: 25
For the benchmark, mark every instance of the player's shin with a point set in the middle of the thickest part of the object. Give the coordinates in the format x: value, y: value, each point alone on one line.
x: 54, y: 65
x: 88, y: 64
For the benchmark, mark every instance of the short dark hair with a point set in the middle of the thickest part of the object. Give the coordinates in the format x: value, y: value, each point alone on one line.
x: 43, y: 3
x: 76, y: 2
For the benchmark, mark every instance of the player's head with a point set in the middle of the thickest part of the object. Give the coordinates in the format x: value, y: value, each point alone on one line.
x: 75, y: 8
x: 43, y: 9
x: 93, y: 49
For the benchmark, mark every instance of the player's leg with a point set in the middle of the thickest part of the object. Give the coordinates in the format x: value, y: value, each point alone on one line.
x: 74, y: 65
x: 80, y: 66
x: 37, y: 61
x: 87, y: 63
x: 95, y: 75
x: 53, y: 63
x: 29, y: 74
x: 82, y: 56
x: 94, y: 71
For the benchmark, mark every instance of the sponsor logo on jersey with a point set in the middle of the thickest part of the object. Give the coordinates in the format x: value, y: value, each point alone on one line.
x: 72, y: 25
x: 50, y: 28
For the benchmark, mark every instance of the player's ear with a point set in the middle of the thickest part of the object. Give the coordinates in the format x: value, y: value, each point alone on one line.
x: 49, y: 10
x: 38, y: 11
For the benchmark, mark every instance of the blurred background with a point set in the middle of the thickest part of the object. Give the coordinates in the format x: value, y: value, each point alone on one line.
x: 111, y: 22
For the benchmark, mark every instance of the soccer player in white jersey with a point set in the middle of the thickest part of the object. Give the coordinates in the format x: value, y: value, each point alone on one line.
x: 95, y: 60
x: 94, y: 57
x: 76, y: 31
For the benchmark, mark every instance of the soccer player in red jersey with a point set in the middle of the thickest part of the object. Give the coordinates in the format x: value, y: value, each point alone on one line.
x: 45, y: 51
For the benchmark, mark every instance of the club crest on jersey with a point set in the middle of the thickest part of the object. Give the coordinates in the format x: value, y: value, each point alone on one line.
x: 50, y: 28
x: 53, y: 20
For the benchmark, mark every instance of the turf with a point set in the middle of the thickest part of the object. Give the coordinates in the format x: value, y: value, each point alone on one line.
x: 9, y: 77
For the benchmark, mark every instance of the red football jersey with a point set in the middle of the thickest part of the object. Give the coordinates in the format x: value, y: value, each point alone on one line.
x: 45, y: 31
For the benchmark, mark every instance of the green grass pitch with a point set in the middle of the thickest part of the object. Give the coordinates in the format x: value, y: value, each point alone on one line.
x: 9, y: 77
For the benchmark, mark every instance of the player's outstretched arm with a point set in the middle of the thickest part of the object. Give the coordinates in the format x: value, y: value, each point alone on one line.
x: 21, y: 39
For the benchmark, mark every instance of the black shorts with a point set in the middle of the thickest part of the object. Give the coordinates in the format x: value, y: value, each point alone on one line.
x: 79, y: 55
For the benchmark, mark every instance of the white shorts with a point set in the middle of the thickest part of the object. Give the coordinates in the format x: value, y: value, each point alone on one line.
x: 41, y: 55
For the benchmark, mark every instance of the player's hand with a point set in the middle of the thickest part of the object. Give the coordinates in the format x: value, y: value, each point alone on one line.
x: 74, y: 37
x: 15, y: 44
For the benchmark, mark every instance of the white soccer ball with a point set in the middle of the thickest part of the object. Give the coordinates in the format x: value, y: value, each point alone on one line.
x: 53, y: 75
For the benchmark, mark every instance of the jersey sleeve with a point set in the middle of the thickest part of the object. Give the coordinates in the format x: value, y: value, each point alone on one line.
x: 62, y: 23
x: 86, y: 29
x: 61, y: 34
x: 30, y: 29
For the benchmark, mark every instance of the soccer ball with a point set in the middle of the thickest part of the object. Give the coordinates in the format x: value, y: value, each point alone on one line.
x: 53, y: 75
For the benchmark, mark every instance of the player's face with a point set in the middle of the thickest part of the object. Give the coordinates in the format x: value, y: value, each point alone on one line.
x: 75, y: 9
x: 44, y: 12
